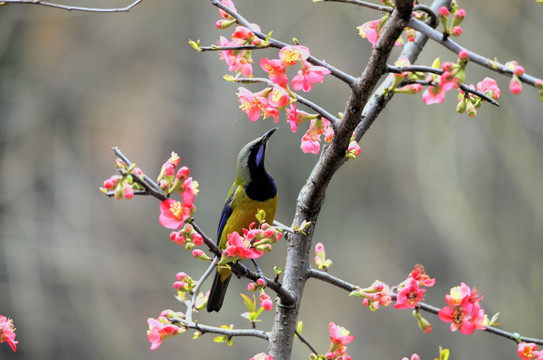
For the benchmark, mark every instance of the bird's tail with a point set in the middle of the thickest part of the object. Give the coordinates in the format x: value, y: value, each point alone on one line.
x: 216, y: 295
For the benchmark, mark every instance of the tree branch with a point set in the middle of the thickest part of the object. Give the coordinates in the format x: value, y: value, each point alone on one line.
x: 342, y: 284
x: 311, y: 196
x: 456, y: 48
x: 73, y: 8
x: 221, y: 331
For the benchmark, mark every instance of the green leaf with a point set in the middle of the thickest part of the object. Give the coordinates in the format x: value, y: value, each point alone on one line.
x: 437, y: 63
x: 299, y: 327
x: 248, y: 303
x: 443, y: 354
x: 195, y: 45
x: 494, y: 319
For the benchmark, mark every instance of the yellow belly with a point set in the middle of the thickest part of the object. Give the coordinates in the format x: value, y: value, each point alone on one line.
x: 243, y: 214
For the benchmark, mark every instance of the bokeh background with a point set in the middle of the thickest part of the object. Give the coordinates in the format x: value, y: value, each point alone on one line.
x: 81, y: 273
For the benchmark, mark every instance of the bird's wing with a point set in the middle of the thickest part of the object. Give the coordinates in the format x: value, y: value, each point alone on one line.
x: 226, y: 212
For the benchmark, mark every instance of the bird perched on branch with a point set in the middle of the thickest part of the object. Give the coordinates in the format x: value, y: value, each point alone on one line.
x: 253, y: 189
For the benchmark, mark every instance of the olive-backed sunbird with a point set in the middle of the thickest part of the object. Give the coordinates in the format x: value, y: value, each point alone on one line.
x: 253, y: 189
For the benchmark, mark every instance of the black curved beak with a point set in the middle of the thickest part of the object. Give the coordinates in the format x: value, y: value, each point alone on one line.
x: 268, y: 133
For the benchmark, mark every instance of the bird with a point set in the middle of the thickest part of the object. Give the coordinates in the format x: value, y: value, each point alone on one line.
x: 253, y: 189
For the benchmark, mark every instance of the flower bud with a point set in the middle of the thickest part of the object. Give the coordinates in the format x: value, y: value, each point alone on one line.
x: 456, y: 31
x: 463, y: 55
x: 515, y: 86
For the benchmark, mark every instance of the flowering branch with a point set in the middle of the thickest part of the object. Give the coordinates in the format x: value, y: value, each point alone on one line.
x: 342, y: 284
x: 278, y: 44
x: 429, y: 69
x: 72, y: 8
x: 240, y: 47
x: 151, y: 188
x: 325, y: 114
x: 378, y: 102
x: 456, y: 48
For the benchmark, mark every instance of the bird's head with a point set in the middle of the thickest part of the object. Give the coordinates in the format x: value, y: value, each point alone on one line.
x: 251, y: 156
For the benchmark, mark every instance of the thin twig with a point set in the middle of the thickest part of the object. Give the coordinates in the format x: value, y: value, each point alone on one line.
x: 283, y: 227
x: 73, y: 8
x: 306, y: 342
x: 365, y: 4
x: 199, y: 284
x: 207, y: 240
x: 330, y: 279
x: 221, y: 331
x: 149, y: 185
x: 239, y: 47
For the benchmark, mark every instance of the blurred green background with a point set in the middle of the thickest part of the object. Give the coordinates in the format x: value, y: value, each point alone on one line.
x: 81, y: 273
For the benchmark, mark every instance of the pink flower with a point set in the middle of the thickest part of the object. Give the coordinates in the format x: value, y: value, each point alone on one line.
x: 354, y: 149
x: 340, y: 337
x: 173, y: 214
x: 420, y: 275
x: 197, y: 239
x: 413, y: 357
x: 309, y: 75
x: 237, y: 248
x: 433, y: 95
x: 189, y: 190
x: 244, y: 33
x: 177, y: 237
x: 7, y: 332
x: 266, y: 302
x: 489, y: 87
x: 276, y: 70
x: 310, y: 144
x: 291, y: 54
x: 377, y: 294
x: 159, y: 330
x: 262, y: 356
x: 311, y: 139
x: 526, y: 350
x: 464, y: 312
x: 229, y: 4
x: 409, y: 89
x: 279, y: 97
x: 250, y: 102
x: 459, y: 319
x: 369, y: 31
x: 515, y: 86
x: 296, y: 117
x: 409, y: 295
x: 237, y: 60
